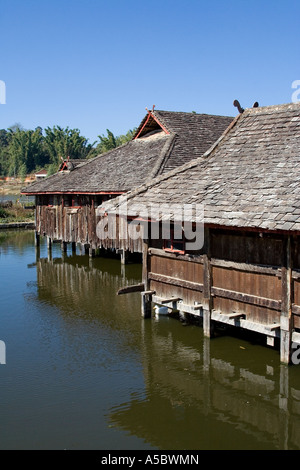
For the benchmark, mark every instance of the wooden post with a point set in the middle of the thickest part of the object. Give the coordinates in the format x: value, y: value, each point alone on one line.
x: 74, y: 248
x: 146, y: 298
x: 64, y: 247
x: 283, y: 416
x: 49, y: 247
x: 49, y: 243
x: 91, y: 252
x: 286, y: 301
x: 146, y: 295
x: 124, y: 256
x: 37, y: 252
x: 145, y: 254
x: 207, y: 282
x: 37, y: 239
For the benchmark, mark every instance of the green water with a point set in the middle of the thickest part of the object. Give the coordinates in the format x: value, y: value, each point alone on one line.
x: 85, y: 371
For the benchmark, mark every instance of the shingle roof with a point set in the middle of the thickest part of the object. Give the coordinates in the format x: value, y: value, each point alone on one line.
x: 141, y: 159
x: 249, y: 178
x: 195, y: 134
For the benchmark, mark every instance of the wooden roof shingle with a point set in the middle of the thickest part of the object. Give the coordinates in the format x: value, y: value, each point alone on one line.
x: 250, y: 178
x: 179, y: 138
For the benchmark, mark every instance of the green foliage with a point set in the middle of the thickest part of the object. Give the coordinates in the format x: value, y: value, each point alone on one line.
x: 25, y: 151
x: 63, y: 143
x: 3, y: 213
x: 110, y: 141
x: 16, y: 213
x: 52, y: 169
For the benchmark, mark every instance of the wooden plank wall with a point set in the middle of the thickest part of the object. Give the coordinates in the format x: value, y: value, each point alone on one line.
x: 245, y: 276
x: 67, y: 224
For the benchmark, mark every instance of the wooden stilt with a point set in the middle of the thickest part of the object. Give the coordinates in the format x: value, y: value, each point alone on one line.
x: 207, y: 282
x: 91, y: 252
x: 146, y: 295
x: 124, y: 256
x: 37, y: 252
x: 74, y: 248
x: 146, y: 298
x: 286, y: 302
x: 49, y: 246
x: 37, y: 239
x: 284, y: 415
x: 49, y: 243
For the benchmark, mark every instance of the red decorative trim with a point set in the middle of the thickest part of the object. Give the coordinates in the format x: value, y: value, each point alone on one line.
x: 155, y: 118
x: 74, y: 192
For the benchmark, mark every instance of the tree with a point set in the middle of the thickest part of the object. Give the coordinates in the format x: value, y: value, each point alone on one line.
x: 26, y: 151
x: 111, y: 141
x: 4, y: 153
x: 63, y: 143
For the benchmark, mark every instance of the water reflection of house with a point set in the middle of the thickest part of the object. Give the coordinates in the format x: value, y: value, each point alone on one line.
x: 76, y: 283
x: 247, y: 273
x: 199, y: 398
x: 194, y: 388
x: 66, y: 201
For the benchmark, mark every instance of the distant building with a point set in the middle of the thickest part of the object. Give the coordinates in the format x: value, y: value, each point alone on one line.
x: 40, y: 175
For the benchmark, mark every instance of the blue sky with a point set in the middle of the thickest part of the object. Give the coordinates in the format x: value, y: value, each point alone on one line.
x: 95, y: 64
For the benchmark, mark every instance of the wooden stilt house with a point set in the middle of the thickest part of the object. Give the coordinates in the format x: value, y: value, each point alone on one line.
x: 247, y: 273
x: 66, y: 202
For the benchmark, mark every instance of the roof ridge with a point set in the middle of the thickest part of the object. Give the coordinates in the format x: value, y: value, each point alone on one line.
x: 273, y: 107
x: 191, y: 113
x: 182, y: 168
x: 158, y: 179
x: 163, y: 157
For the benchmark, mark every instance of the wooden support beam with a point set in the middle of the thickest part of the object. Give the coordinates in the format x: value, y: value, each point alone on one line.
x: 246, y: 298
x: 91, y: 252
x: 37, y: 239
x: 286, y: 303
x: 129, y: 289
x: 145, y: 269
x: 273, y: 326
x: 250, y: 268
x: 49, y: 243
x: 236, y: 315
x: 171, y: 299
x: 124, y: 256
x: 198, y: 307
x: 207, y: 285
x: 174, y: 281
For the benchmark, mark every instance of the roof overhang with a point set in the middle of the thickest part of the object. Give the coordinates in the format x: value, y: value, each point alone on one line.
x: 88, y: 193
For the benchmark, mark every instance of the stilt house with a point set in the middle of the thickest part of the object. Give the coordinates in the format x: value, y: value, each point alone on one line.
x: 66, y: 202
x: 247, y: 273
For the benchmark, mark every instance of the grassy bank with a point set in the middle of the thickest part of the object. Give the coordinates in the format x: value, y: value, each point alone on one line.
x: 11, y: 188
x: 15, y: 214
